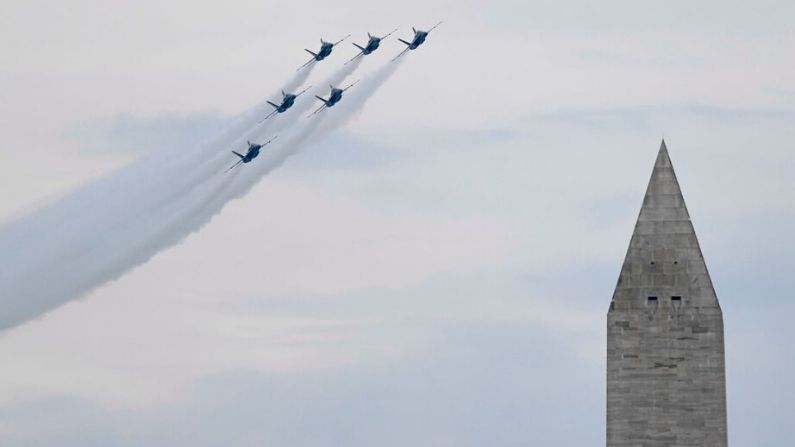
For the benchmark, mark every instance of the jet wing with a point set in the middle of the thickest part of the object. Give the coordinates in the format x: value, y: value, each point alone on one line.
x: 401, y: 54
x: 342, y: 39
x: 267, y: 142
x: 234, y: 165
x: 361, y: 53
x: 390, y: 33
x: 434, y: 26
x: 319, y: 109
x: 307, y: 63
x: 302, y: 91
x: 346, y: 88
x: 267, y: 117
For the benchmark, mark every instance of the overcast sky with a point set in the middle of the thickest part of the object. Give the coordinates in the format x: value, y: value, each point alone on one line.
x: 438, y: 272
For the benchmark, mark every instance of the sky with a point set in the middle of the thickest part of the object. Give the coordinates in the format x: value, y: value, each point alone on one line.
x: 436, y: 272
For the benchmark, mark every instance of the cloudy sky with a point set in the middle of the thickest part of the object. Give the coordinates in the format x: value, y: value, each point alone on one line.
x: 437, y: 272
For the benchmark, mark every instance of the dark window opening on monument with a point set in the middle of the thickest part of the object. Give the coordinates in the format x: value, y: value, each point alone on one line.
x: 652, y: 299
x: 676, y: 298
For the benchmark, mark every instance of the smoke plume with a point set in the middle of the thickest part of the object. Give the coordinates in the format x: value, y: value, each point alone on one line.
x: 106, y: 228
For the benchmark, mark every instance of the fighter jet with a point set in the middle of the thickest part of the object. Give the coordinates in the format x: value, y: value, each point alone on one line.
x: 288, y: 99
x: 419, y: 39
x: 334, y: 97
x: 253, y: 151
x: 325, y: 50
x: 371, y: 46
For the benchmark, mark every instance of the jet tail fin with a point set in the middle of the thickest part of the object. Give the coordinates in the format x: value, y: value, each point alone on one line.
x: 238, y: 154
x: 311, y: 52
x: 357, y: 46
x: 407, y: 43
x: 274, y: 105
x: 324, y: 101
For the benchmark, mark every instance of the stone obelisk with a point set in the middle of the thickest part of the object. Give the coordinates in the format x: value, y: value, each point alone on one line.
x: 666, y: 379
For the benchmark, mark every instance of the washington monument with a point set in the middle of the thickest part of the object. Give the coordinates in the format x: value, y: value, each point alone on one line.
x: 666, y: 380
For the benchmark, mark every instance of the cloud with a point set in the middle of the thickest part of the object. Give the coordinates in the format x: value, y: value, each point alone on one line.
x: 133, y: 135
x: 401, y: 380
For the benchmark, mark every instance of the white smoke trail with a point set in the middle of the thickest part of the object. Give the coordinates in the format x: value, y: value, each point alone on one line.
x: 109, y: 227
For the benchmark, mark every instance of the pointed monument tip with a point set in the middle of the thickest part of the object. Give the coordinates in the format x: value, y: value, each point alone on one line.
x: 663, y: 159
x: 664, y: 201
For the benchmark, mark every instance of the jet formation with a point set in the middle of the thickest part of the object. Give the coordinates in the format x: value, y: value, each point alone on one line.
x: 288, y: 99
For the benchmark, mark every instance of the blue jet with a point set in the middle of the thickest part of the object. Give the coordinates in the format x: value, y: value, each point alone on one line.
x: 333, y: 98
x: 372, y: 45
x: 253, y: 151
x: 324, y: 52
x: 419, y: 39
x: 288, y: 99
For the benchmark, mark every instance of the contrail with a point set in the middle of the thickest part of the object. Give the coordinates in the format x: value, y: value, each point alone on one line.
x: 103, y: 230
